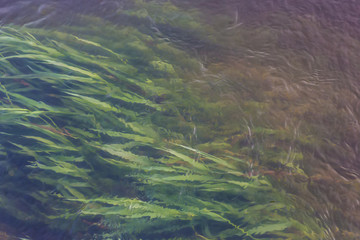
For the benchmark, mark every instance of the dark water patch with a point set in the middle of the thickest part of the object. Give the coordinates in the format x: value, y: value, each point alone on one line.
x: 344, y: 15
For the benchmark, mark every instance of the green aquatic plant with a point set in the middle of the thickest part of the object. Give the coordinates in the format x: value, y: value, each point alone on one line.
x: 101, y: 131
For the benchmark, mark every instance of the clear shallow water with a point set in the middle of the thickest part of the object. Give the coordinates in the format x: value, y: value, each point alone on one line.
x: 268, y: 88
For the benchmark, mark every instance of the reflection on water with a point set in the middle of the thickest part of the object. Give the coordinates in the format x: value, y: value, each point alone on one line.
x: 131, y: 119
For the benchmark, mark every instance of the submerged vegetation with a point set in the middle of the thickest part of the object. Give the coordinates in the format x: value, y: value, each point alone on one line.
x: 78, y: 126
x: 116, y: 131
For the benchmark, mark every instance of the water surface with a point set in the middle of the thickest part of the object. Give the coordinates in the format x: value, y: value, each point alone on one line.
x: 179, y: 119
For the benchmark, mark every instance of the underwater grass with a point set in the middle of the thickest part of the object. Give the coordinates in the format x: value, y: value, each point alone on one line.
x: 85, y: 135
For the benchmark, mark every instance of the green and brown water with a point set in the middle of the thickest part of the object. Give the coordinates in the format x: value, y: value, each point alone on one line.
x: 202, y: 119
